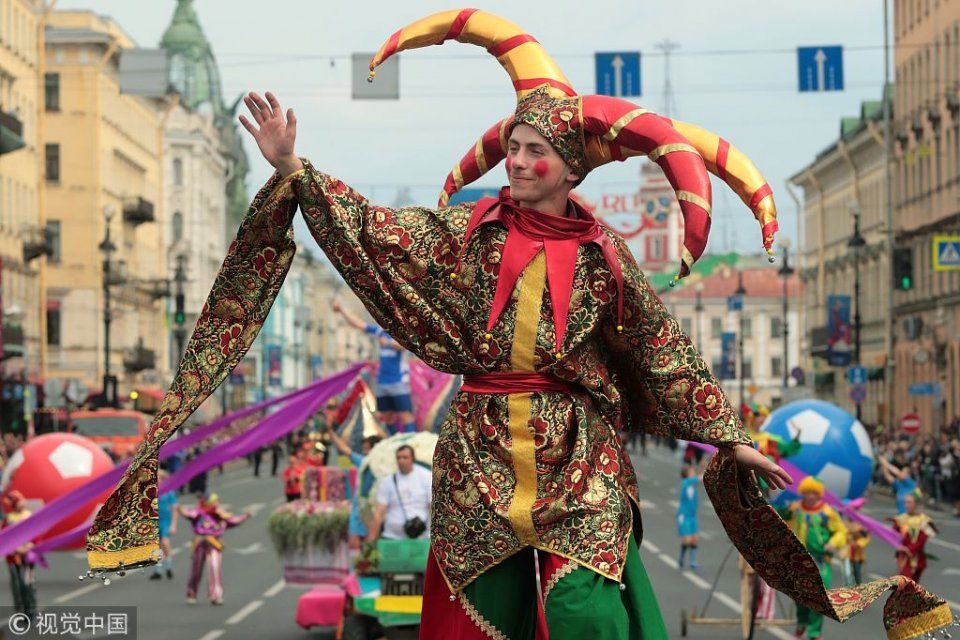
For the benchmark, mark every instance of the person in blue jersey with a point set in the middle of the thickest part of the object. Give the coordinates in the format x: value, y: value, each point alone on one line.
x: 897, y: 473
x: 167, y: 514
x: 688, y: 527
x: 393, y: 376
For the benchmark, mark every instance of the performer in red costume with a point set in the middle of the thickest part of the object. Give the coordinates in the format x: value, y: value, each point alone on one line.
x: 561, y: 341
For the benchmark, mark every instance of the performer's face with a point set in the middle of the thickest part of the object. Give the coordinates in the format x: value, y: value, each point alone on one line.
x: 910, y: 504
x: 811, y: 498
x: 535, y: 170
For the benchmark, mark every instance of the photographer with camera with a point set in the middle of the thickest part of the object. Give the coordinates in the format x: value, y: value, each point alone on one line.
x: 403, y: 501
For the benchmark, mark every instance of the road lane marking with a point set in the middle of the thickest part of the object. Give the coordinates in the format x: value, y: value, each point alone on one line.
x: 695, y: 579
x: 668, y: 560
x: 649, y: 546
x: 275, y: 589
x: 212, y: 635
x: 944, y: 543
x: 247, y: 609
x: 76, y: 593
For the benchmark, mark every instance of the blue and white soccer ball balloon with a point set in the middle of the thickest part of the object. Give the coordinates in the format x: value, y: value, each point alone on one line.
x: 836, y: 447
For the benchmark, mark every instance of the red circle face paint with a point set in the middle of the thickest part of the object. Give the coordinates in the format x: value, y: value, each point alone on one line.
x: 540, y: 168
x: 509, y: 163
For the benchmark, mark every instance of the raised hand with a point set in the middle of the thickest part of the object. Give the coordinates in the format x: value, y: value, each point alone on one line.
x: 274, y: 133
x: 758, y: 465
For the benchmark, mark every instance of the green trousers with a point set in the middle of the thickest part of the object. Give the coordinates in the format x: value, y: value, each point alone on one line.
x: 808, y: 618
x: 582, y: 604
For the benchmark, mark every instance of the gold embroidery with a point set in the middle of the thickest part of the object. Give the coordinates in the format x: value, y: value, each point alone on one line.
x: 127, y: 557
x: 283, y: 188
x: 523, y: 449
x: 622, y: 122
x: 479, y: 620
x: 558, y: 575
x: 917, y: 625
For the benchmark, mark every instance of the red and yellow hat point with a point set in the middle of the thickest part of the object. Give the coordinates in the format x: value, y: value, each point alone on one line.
x: 611, y: 128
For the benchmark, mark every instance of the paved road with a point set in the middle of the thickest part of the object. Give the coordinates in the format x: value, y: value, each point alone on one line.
x: 259, y: 605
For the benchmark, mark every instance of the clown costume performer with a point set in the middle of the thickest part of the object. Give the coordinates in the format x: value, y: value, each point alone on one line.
x: 561, y: 342
x: 21, y: 563
x: 822, y: 532
x: 209, y: 522
x: 915, y: 528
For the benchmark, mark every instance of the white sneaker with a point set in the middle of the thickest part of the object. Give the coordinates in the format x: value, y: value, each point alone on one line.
x: 191, y: 601
x: 216, y: 602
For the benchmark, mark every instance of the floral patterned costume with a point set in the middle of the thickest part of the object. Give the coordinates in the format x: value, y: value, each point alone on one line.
x: 561, y: 342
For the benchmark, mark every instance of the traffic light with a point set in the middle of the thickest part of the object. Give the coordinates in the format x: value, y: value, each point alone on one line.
x: 179, y: 315
x: 903, y: 268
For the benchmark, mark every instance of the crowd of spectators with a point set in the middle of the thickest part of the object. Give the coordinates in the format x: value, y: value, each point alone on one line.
x: 932, y: 461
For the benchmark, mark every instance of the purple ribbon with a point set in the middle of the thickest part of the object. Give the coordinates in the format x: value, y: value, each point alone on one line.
x: 61, y: 507
x: 877, y: 528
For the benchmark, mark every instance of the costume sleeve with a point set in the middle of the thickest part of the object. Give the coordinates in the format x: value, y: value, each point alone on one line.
x: 397, y: 261
x: 838, y: 530
x: 666, y: 386
x: 791, y: 448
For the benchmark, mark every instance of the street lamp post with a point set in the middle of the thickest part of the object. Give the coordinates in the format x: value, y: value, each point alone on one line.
x: 855, y: 243
x: 741, y: 292
x: 107, y: 248
x: 785, y: 272
x: 179, y: 332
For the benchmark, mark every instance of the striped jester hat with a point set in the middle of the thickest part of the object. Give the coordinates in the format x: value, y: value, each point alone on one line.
x: 590, y: 131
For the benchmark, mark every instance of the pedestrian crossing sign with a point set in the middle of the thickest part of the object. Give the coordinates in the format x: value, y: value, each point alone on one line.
x: 946, y: 253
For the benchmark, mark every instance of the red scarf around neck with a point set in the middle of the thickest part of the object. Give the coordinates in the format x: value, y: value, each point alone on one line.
x: 529, y: 231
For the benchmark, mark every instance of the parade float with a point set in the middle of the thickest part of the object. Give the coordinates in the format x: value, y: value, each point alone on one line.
x: 382, y: 595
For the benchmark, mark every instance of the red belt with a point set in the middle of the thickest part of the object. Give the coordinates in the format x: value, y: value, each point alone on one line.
x: 515, y: 382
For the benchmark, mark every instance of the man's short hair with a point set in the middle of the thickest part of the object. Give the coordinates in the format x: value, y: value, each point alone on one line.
x: 373, y: 440
x: 408, y: 448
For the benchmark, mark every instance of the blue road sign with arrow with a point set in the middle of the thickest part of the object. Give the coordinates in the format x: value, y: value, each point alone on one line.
x: 618, y: 73
x: 820, y: 68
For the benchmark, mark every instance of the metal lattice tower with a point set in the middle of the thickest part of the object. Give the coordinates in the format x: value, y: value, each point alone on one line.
x: 669, y: 106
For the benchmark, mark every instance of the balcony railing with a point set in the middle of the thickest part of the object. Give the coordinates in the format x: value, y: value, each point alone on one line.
x: 137, y: 211
x: 139, y: 359
x: 11, y: 133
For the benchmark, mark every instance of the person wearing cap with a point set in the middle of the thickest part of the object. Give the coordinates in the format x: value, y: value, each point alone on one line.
x: 559, y: 336
x: 209, y: 522
x: 821, y: 530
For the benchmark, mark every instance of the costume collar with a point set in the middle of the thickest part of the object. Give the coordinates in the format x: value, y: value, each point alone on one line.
x: 529, y: 232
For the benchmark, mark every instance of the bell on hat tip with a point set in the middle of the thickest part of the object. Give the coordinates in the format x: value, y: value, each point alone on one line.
x: 453, y: 276
x: 619, y: 328
x: 452, y: 597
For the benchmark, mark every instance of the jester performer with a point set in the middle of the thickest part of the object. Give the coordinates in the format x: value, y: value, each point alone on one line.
x: 915, y: 528
x: 209, y: 522
x: 561, y: 341
x: 821, y: 530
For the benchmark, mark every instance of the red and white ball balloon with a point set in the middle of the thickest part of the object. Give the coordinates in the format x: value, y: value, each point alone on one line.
x: 49, y: 466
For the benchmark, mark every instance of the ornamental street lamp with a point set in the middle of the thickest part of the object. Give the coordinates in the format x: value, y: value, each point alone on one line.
x: 855, y: 244
x: 741, y: 292
x: 785, y: 272
x: 107, y: 248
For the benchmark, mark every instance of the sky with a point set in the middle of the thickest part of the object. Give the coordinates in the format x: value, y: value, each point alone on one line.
x: 735, y: 73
